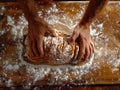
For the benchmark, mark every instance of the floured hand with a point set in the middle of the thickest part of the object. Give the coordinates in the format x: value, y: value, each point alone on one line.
x: 81, y: 35
x: 34, y: 39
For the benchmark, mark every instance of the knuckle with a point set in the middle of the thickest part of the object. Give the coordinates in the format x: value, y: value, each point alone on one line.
x: 72, y: 39
x: 75, y: 33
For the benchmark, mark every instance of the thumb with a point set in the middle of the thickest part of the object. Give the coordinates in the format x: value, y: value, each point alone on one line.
x: 51, y: 31
x: 73, y: 37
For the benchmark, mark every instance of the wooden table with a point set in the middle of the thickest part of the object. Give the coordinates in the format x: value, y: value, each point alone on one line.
x: 103, y: 68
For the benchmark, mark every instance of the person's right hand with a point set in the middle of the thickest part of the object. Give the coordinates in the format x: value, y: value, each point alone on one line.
x: 81, y: 35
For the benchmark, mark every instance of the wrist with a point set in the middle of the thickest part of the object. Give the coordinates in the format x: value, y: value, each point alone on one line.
x: 84, y: 26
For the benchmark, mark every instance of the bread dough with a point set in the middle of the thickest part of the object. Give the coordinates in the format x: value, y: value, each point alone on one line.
x: 57, y: 51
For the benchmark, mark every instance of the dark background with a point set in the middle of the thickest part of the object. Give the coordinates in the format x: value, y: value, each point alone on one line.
x: 53, y: 0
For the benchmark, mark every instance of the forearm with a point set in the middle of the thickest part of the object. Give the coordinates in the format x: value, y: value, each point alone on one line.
x: 30, y: 12
x: 92, y: 10
x: 28, y: 8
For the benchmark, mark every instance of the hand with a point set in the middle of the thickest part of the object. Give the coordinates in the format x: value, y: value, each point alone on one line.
x: 34, y: 39
x: 82, y: 36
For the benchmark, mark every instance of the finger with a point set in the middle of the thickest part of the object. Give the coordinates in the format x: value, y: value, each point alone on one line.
x: 40, y: 46
x: 51, y: 31
x: 93, y: 47
x: 87, y: 53
x: 91, y: 51
x: 74, y: 36
x: 30, y: 47
x: 26, y: 43
x: 30, y: 53
x: 35, y: 58
x: 81, y: 52
x: 34, y: 48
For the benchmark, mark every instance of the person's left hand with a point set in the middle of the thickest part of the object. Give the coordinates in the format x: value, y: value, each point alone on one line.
x: 37, y: 28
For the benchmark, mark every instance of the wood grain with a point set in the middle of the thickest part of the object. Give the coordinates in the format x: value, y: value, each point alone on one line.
x: 105, y: 68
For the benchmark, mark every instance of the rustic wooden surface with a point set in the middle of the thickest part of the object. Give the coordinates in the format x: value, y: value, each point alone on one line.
x: 106, y: 39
